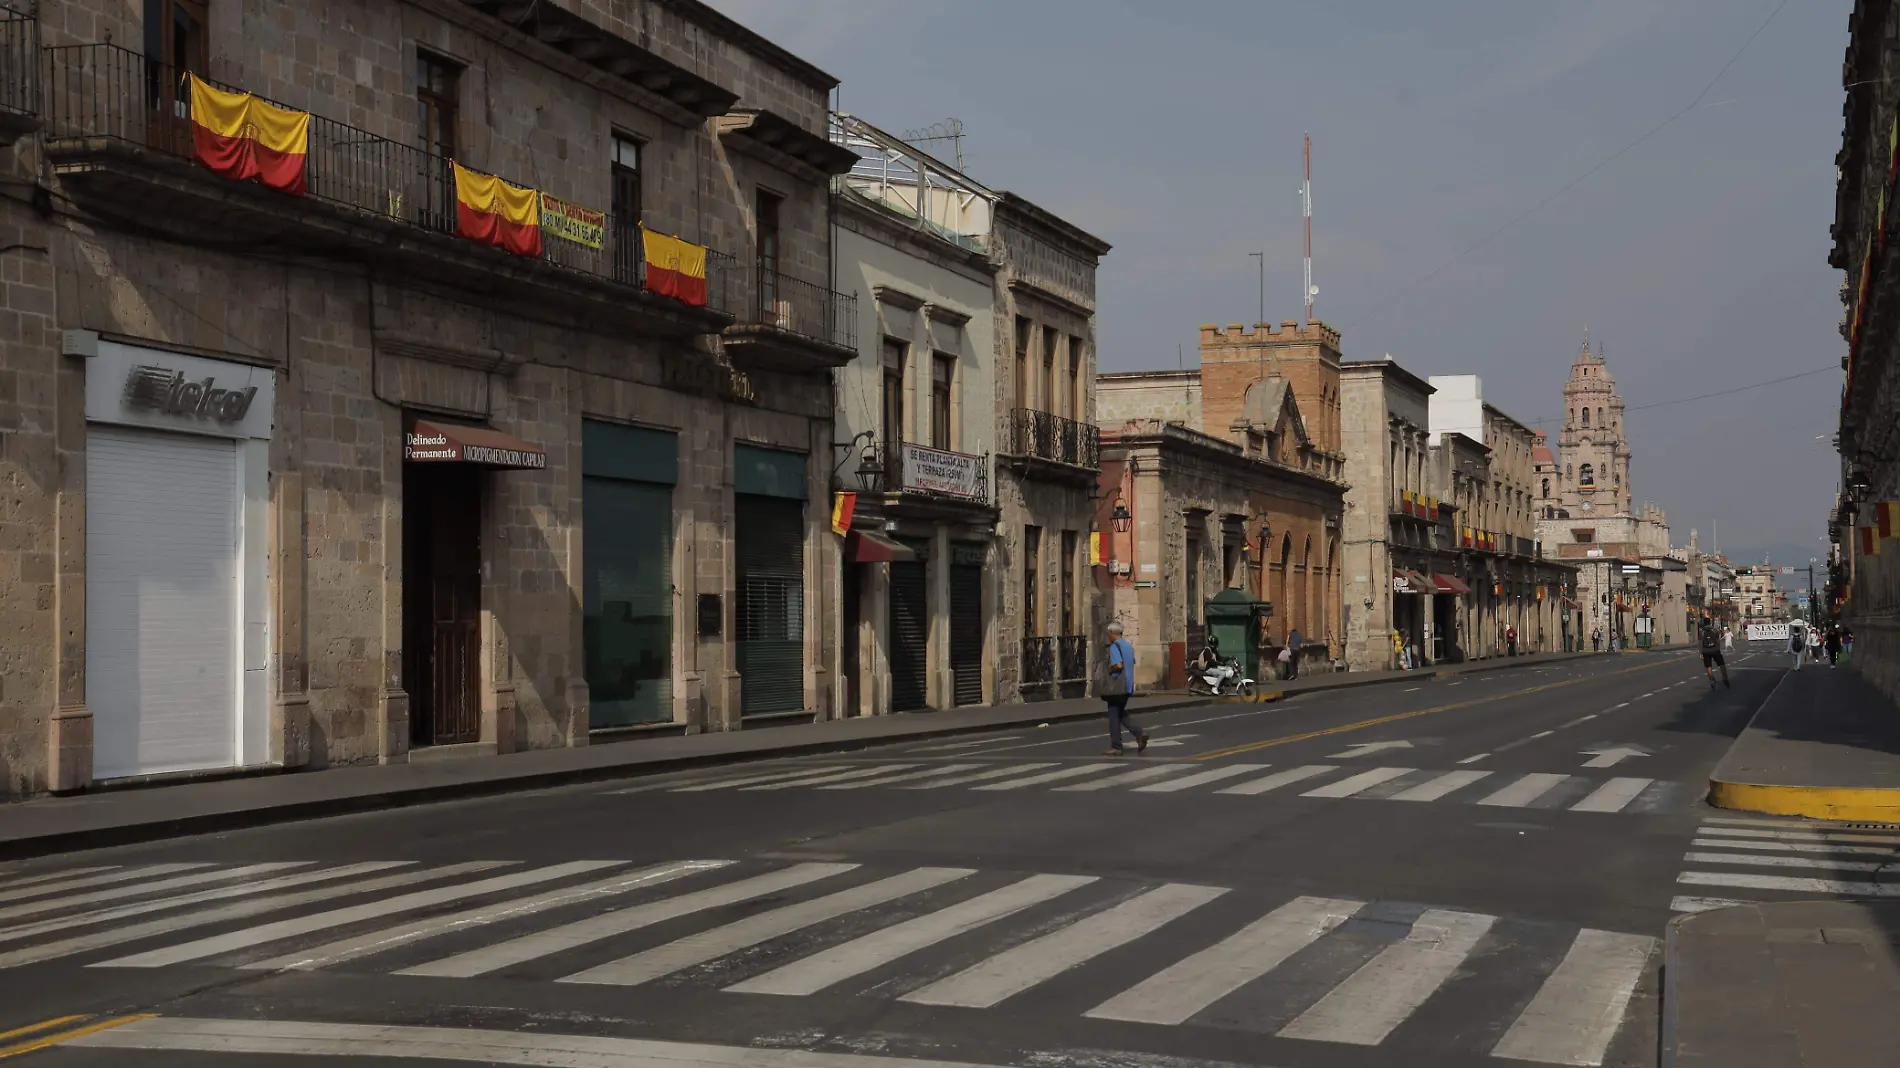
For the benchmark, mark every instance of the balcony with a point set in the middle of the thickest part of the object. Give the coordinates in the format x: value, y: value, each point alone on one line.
x: 789, y: 324
x: 19, y: 75
x: 1072, y: 658
x: 1052, y: 660
x: 1039, y: 663
x: 119, y: 136
x: 926, y: 482
x: 1047, y: 444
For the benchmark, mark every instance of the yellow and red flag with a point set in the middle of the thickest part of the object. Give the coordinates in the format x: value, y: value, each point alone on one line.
x: 240, y: 137
x: 1887, y: 518
x: 675, y: 268
x: 843, y: 506
x: 497, y: 213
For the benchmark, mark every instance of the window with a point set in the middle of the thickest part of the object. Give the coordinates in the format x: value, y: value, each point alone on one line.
x: 1599, y: 417
x: 175, y: 34
x: 1586, y: 417
x: 1068, y: 581
x: 1570, y: 471
x: 1048, y: 370
x: 1022, y: 361
x: 625, y: 175
x: 438, y: 105
x: 1032, y: 553
x: 1072, y: 393
x: 895, y: 353
x: 1588, y: 477
x: 942, y: 373
x: 766, y: 215
x: 1193, y: 581
x: 1547, y: 487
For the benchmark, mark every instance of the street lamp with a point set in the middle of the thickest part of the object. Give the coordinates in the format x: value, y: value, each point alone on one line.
x: 1123, y: 520
x: 870, y: 471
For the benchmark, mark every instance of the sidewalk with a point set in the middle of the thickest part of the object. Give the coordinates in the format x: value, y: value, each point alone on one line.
x: 1824, y: 745
x: 1798, y: 984
x: 117, y: 817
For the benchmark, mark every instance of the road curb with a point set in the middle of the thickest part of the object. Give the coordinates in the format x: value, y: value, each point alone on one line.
x: 1869, y: 804
x: 40, y: 845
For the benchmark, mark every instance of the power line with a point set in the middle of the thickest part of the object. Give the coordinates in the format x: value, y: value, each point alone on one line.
x: 1581, y: 178
x: 1706, y: 396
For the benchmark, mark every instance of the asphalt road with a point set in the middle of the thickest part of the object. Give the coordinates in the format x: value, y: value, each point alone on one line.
x: 1461, y: 872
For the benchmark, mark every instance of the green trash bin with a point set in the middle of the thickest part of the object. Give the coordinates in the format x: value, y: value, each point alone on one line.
x: 1233, y: 619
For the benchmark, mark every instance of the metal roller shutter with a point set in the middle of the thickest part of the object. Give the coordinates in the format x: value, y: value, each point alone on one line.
x: 771, y: 611
x: 910, y: 637
x: 161, y: 601
x: 966, y: 633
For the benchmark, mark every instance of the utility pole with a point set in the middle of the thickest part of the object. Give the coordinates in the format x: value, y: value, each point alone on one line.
x: 1306, y: 211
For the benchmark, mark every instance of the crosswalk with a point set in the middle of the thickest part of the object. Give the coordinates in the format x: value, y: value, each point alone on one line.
x: 1735, y: 860
x: 1313, y: 969
x: 1542, y: 790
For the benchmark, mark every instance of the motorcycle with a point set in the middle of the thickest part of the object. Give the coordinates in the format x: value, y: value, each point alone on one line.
x: 1221, y: 679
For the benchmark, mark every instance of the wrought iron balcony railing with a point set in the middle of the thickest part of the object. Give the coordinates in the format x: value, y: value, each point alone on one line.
x: 1072, y: 657
x: 19, y: 62
x: 103, y: 91
x: 1039, y: 662
x: 1051, y: 437
x: 778, y: 300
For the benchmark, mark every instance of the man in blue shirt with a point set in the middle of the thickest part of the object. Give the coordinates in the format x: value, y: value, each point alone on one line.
x: 1117, y: 686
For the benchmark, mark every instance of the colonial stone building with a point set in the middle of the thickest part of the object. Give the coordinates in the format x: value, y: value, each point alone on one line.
x: 310, y: 477
x: 917, y: 430
x: 1218, y: 479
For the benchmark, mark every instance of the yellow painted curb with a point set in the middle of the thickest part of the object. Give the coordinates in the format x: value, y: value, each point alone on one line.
x: 1814, y: 802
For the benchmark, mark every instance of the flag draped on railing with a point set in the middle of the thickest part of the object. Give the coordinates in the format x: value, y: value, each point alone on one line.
x: 675, y: 268
x: 238, y: 136
x: 497, y: 213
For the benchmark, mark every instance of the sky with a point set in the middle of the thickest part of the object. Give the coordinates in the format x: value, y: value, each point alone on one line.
x: 1465, y: 219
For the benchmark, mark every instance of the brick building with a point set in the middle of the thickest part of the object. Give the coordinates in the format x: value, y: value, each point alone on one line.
x: 1227, y: 483
x: 311, y: 480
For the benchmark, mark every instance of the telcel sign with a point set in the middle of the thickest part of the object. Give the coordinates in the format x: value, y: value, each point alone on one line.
x: 161, y: 389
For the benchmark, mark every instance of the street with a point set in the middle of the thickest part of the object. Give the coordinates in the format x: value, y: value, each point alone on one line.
x: 1457, y: 872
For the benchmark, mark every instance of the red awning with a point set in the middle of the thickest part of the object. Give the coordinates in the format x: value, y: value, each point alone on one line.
x: 1409, y: 582
x: 430, y: 442
x: 870, y: 547
x: 1449, y: 584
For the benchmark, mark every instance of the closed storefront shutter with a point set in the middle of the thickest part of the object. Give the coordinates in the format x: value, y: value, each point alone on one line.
x: 769, y: 509
x: 910, y: 637
x: 161, y: 601
x: 966, y: 629
x: 627, y: 573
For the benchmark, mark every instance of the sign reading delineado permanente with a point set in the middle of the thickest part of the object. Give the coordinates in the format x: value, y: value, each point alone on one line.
x: 432, y: 443
x: 955, y: 474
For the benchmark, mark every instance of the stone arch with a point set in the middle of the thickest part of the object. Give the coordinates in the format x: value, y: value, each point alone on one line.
x: 1281, y: 608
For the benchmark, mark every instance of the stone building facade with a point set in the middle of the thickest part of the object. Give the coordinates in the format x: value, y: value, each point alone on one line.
x: 484, y: 502
x: 1227, y: 483
x: 918, y: 435
x: 1865, y: 575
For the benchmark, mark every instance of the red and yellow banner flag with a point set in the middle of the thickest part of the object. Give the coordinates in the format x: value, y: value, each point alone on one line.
x: 1887, y: 518
x: 843, y: 505
x: 675, y: 268
x: 238, y: 136
x: 1869, y: 541
x: 497, y: 213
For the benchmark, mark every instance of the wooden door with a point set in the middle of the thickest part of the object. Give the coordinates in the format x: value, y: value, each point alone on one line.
x: 442, y: 603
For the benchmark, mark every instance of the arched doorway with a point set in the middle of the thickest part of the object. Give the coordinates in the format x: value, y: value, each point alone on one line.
x: 1281, y: 608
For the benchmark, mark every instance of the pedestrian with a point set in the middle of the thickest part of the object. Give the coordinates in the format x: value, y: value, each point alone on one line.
x: 1293, y: 644
x: 1596, y: 641
x: 1118, y: 684
x: 1797, y: 641
x: 1728, y: 640
x: 1510, y: 640
x: 1834, y: 647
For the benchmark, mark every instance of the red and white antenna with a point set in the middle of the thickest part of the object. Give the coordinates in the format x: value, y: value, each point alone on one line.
x: 1306, y: 210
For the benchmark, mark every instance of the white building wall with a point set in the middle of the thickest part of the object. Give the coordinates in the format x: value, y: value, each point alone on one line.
x: 1457, y: 407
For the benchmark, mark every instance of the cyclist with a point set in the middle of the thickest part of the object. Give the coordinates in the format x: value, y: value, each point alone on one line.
x: 1712, y: 654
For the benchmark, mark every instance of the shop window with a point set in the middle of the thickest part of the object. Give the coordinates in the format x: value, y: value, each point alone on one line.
x: 1032, y: 578
x: 943, y: 371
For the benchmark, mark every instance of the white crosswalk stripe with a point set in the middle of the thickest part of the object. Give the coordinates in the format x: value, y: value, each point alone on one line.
x: 1177, y: 993
x: 1391, y: 986
x: 581, y: 932
x: 16, y: 885
x: 938, y: 937
x: 1728, y: 854
x: 1629, y: 795
x: 196, y: 878
x: 420, y: 899
x: 860, y: 955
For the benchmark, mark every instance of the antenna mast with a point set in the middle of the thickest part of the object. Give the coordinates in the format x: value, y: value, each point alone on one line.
x: 1306, y: 210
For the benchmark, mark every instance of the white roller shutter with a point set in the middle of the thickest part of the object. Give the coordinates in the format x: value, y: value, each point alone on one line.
x: 161, y: 601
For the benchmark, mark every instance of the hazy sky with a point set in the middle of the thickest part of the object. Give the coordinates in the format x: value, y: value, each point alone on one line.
x: 1172, y: 129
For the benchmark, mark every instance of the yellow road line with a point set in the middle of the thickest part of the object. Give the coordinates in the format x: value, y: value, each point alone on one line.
x: 68, y: 1035
x: 42, y: 1025
x: 1395, y: 717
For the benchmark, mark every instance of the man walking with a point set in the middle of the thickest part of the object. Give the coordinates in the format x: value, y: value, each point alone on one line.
x: 1797, y: 641
x: 1510, y: 640
x: 1596, y: 641
x: 1117, y: 685
x: 1293, y: 643
x: 1833, y: 647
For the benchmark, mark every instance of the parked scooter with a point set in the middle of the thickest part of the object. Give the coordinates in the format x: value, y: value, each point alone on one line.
x: 1222, y: 678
